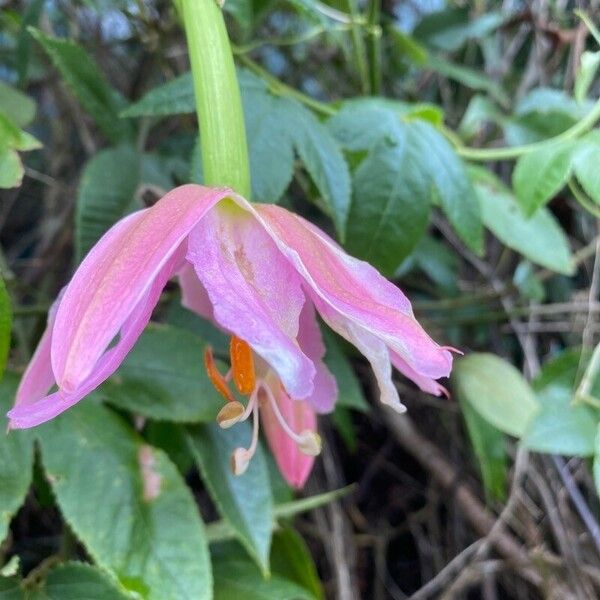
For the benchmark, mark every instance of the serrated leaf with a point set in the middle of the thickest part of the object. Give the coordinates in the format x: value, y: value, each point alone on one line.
x: 489, y: 447
x: 171, y: 98
x: 241, y: 579
x: 18, y: 107
x: 5, y: 325
x: 88, y: 84
x: 16, y: 459
x: 291, y: 558
x: 164, y: 378
x: 496, y: 390
x: 102, y: 202
x: 79, y: 581
x: 539, y: 237
x: 127, y: 503
x: 539, y: 175
x: 244, y: 501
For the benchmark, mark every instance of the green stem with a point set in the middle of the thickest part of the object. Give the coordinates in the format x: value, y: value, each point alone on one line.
x: 374, y: 44
x: 486, y: 154
x: 359, y: 47
x: 218, y: 101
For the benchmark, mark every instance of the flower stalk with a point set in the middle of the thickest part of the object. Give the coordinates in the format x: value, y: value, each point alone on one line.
x: 218, y: 101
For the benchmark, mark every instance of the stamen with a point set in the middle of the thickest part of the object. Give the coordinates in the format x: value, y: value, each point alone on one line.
x: 242, y: 365
x: 230, y: 414
x: 241, y: 457
x: 308, y: 441
x: 215, y: 376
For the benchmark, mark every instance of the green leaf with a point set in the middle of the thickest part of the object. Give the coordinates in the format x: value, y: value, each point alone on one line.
x: 291, y: 558
x: 79, y: 581
x: 562, y: 427
x: 16, y: 459
x: 323, y: 160
x: 244, y: 501
x: 590, y: 61
x: 585, y: 165
x: 489, y: 446
x: 539, y: 238
x: 100, y: 204
x: 350, y: 394
x: 164, y: 378
x: 89, y: 85
x: 127, y: 503
x: 11, y: 169
x: 437, y: 159
x: 496, y: 390
x: 390, y: 205
x: 539, y: 175
x: 18, y: 107
x: 5, y: 325
x: 171, y: 98
x: 10, y: 589
x: 241, y: 579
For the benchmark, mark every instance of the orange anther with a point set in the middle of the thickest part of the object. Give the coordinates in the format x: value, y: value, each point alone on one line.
x: 215, y: 376
x: 242, y: 365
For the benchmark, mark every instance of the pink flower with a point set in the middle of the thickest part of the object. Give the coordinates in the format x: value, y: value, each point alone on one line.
x: 258, y: 271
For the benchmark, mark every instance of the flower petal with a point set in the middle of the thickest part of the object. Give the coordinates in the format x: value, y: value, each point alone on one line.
x: 39, y: 377
x: 309, y: 338
x: 355, y: 290
x: 431, y: 386
x: 115, y: 276
x: 31, y: 413
x: 193, y: 295
x: 294, y: 465
x: 256, y: 294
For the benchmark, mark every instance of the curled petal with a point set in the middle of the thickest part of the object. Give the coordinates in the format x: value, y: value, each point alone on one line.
x: 431, y: 386
x: 325, y: 392
x: 294, y: 465
x: 116, y: 275
x: 255, y: 292
x: 31, y: 413
x: 355, y: 290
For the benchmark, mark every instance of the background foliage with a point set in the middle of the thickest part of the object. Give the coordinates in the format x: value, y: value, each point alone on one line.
x: 450, y: 144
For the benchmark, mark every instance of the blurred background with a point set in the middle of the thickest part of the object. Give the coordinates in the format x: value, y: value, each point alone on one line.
x: 489, y: 493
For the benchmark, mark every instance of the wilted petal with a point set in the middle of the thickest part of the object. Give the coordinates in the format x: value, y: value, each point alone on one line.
x: 255, y: 292
x: 294, y: 465
x: 115, y: 276
x: 309, y: 338
x: 31, y: 413
x: 355, y: 290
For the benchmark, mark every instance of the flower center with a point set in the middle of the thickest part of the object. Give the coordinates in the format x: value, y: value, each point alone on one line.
x: 244, y: 377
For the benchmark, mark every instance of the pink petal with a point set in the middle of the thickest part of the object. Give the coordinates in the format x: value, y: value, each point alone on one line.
x: 116, y: 275
x: 372, y: 347
x: 39, y: 377
x: 309, y: 338
x: 193, y: 295
x: 44, y: 409
x: 293, y: 464
x: 431, y: 386
x: 355, y: 290
x: 255, y: 292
